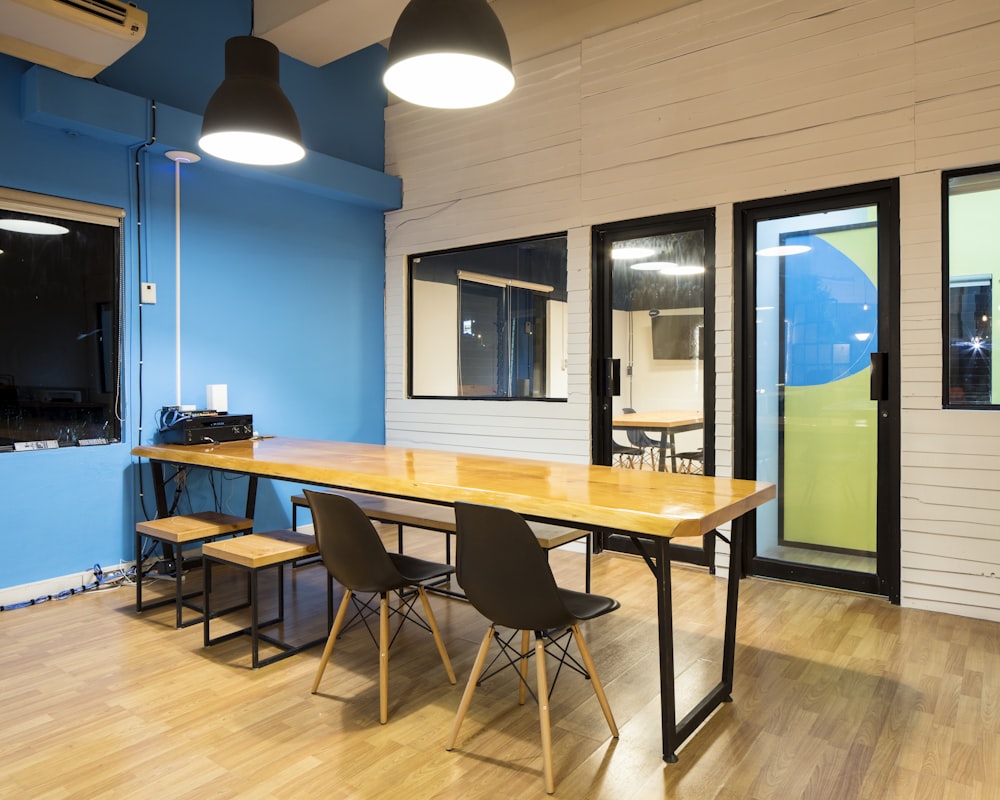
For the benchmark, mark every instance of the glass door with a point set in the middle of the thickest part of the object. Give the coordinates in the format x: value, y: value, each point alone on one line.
x: 818, y: 385
x: 653, y: 398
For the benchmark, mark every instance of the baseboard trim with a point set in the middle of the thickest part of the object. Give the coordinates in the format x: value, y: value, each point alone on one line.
x: 49, y: 588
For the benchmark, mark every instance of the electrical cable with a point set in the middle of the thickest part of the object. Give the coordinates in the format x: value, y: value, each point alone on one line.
x: 102, y: 580
x: 139, y: 267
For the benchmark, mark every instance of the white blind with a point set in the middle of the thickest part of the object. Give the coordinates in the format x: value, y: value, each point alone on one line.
x: 45, y: 205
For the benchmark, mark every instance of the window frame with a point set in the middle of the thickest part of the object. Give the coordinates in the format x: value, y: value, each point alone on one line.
x: 410, y: 349
x: 111, y: 347
x: 947, y: 401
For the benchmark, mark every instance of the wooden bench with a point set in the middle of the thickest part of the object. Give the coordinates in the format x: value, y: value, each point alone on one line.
x: 252, y: 554
x: 429, y: 516
x: 177, y: 531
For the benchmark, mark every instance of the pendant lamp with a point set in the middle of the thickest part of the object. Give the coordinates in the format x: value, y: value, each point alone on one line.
x: 248, y: 119
x: 449, y: 54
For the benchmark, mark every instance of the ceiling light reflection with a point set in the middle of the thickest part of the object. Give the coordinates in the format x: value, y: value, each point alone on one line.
x: 623, y: 253
x: 784, y: 250
x: 32, y: 226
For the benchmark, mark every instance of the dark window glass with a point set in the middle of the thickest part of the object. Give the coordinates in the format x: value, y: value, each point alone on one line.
x: 490, y: 322
x: 59, y: 370
x: 972, y: 269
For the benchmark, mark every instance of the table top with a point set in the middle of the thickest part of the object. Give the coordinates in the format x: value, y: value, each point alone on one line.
x: 661, y: 504
x: 656, y: 420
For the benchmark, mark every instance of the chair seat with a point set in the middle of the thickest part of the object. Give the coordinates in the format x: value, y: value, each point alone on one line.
x: 587, y: 606
x: 416, y: 570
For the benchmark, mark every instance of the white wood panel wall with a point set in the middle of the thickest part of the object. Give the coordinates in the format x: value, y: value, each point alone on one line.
x: 706, y: 105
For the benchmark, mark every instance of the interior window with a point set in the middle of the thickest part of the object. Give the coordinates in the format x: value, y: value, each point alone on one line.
x: 60, y: 273
x: 490, y: 322
x: 971, y: 259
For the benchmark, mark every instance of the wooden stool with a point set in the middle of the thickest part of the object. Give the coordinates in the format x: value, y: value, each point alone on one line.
x: 178, y: 531
x: 252, y: 554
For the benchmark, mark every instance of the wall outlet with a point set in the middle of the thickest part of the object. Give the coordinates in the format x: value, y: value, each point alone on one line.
x: 147, y: 294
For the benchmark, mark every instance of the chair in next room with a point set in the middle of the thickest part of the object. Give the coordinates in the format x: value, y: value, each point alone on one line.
x: 354, y: 555
x: 507, y: 579
x: 649, y: 448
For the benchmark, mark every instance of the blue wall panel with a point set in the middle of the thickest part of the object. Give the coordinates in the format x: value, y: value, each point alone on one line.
x: 281, y: 291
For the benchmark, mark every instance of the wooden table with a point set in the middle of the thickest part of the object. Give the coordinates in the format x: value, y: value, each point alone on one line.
x: 667, y: 423
x: 652, y: 507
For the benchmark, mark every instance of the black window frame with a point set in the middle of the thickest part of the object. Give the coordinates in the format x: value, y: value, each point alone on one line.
x: 948, y: 400
x: 455, y: 251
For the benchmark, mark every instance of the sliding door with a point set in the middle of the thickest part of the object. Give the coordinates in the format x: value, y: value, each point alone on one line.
x: 654, y: 387
x: 817, y: 379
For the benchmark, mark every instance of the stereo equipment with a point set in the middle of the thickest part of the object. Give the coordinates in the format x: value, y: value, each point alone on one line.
x: 199, y: 427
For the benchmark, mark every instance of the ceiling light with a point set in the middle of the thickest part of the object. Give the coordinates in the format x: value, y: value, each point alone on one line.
x: 449, y: 54
x: 32, y: 226
x: 678, y: 269
x: 622, y: 253
x: 784, y: 250
x: 248, y: 119
x: 651, y: 265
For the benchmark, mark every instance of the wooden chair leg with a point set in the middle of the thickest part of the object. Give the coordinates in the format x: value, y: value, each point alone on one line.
x: 588, y: 662
x: 432, y: 622
x: 470, y: 687
x: 522, y: 694
x: 383, y: 658
x: 543, y: 712
x: 334, y: 632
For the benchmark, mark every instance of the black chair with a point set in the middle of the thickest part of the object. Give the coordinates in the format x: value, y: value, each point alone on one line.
x: 354, y: 555
x: 691, y: 462
x: 507, y: 579
x: 639, y: 439
x: 624, y: 456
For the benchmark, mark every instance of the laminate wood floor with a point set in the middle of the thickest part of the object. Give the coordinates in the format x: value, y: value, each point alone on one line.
x: 837, y: 696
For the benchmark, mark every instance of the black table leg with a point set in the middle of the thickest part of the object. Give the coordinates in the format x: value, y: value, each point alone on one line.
x: 732, y: 604
x: 665, y: 618
x: 251, y: 496
x: 674, y: 732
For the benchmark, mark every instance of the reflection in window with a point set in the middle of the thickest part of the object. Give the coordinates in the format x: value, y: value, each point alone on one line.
x: 658, y: 334
x: 490, y: 322
x: 816, y: 319
x: 973, y: 265
x: 60, y: 275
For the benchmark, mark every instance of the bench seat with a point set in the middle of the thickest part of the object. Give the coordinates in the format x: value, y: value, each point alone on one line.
x: 433, y: 517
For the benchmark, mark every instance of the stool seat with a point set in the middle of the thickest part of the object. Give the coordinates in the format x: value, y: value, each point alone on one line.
x: 177, y: 531
x: 185, y: 528
x: 253, y: 553
x: 262, y: 549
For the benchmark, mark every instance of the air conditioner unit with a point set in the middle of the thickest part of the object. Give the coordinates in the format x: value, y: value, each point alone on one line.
x: 80, y: 37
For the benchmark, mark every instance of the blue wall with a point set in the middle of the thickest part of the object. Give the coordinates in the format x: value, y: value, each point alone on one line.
x: 281, y: 291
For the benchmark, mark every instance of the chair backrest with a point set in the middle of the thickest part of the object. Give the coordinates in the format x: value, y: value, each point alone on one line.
x: 503, y: 570
x: 351, y: 548
x: 636, y: 437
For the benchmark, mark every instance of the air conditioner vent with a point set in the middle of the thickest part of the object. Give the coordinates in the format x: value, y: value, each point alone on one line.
x: 115, y: 12
x: 80, y: 37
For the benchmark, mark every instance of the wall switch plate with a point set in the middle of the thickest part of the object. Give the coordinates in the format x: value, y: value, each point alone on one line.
x: 147, y: 293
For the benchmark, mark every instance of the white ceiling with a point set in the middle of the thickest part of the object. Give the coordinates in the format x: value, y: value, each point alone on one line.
x: 320, y: 31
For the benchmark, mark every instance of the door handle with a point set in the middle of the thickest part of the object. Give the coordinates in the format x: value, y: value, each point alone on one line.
x: 612, y: 377
x: 880, y: 376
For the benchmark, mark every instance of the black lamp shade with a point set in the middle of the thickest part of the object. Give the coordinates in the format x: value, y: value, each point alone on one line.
x: 249, y: 119
x: 449, y: 54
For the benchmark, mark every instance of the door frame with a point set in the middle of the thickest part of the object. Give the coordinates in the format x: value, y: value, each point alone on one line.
x: 885, y: 195
x: 601, y: 349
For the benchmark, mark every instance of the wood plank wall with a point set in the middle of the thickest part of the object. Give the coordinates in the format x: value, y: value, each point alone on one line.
x: 713, y: 103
